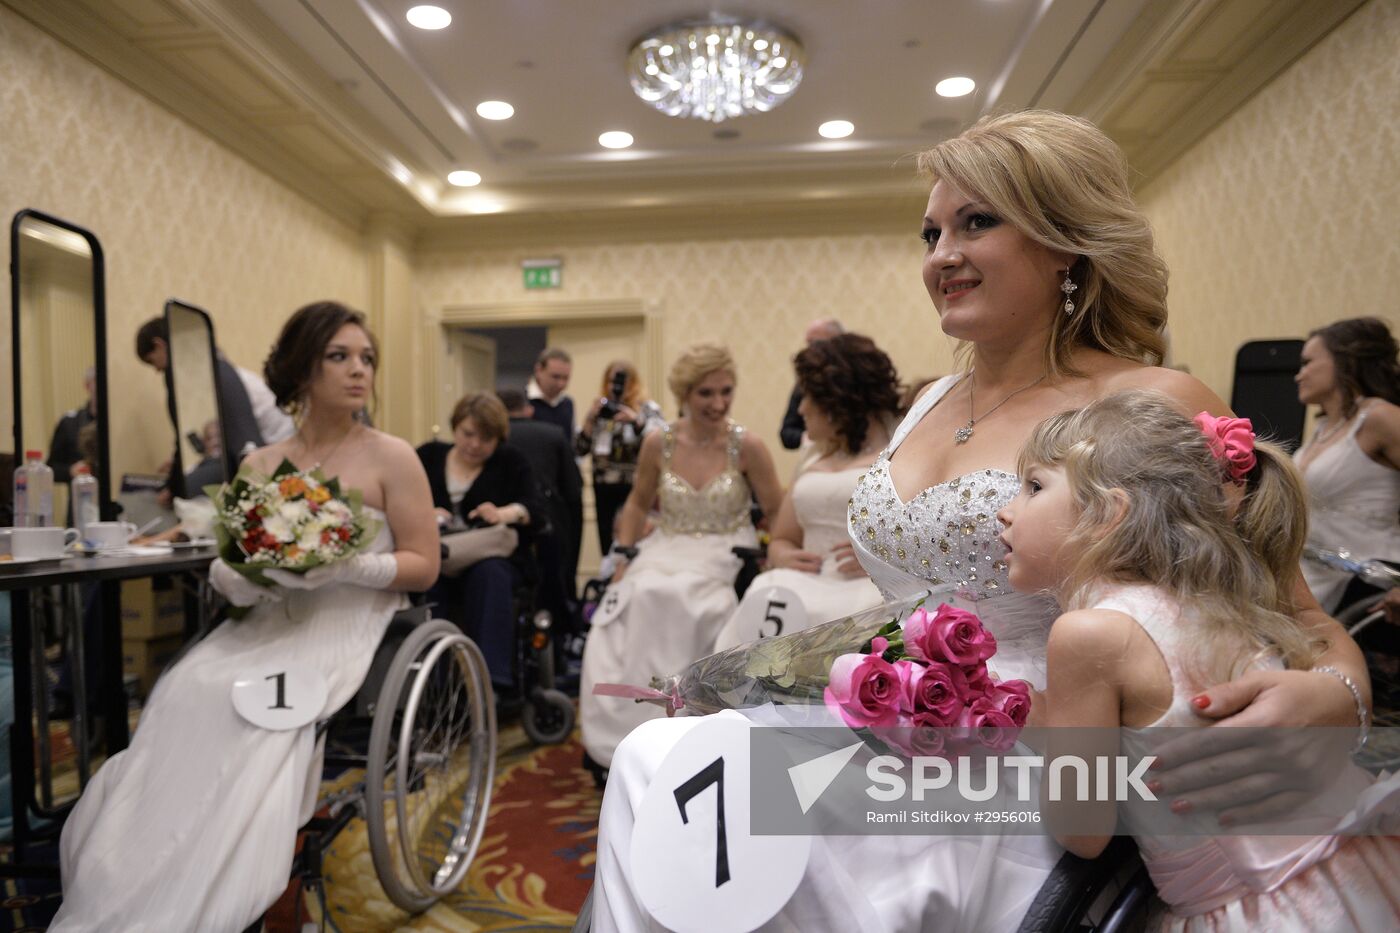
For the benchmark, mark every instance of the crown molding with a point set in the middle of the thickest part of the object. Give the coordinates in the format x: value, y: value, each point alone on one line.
x: 1185, y: 66
x: 752, y: 219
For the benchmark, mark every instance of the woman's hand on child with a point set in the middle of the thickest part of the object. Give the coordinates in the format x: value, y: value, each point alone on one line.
x: 1278, y: 760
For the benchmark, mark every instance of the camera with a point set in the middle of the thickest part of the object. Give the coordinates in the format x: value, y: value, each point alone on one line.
x: 613, y: 403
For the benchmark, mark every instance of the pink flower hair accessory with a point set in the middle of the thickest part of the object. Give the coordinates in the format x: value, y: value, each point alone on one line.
x: 1231, y: 440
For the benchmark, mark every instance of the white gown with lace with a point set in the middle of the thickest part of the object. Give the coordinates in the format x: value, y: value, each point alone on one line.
x: 193, y: 826
x: 668, y: 608
x: 820, y: 500
x: 944, y: 540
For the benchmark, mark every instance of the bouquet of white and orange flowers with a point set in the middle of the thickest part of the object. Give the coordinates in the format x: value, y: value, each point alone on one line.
x: 292, y: 520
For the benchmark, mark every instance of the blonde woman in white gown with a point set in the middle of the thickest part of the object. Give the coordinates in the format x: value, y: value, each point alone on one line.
x: 665, y: 608
x: 850, y: 393
x: 193, y: 827
x: 1027, y: 210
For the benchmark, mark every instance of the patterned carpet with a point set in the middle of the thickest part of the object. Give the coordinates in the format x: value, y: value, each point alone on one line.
x: 532, y: 871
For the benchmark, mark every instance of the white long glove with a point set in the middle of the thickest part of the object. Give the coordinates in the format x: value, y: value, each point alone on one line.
x: 374, y: 571
x: 238, y: 589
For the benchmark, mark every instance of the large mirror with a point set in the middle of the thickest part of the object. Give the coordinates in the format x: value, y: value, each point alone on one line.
x: 203, y: 454
x: 58, y: 352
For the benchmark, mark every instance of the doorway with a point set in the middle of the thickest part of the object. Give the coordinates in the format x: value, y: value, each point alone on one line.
x: 490, y: 346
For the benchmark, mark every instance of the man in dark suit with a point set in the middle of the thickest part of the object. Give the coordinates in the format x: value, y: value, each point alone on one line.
x: 546, y: 390
x: 793, y: 426
x: 556, y: 470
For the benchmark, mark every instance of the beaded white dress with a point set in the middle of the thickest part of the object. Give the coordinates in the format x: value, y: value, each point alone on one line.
x: 668, y: 608
x: 945, y: 540
x: 820, y: 500
x: 194, y: 826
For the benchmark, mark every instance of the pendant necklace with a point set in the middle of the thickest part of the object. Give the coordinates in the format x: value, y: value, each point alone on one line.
x: 334, y: 450
x: 964, y: 433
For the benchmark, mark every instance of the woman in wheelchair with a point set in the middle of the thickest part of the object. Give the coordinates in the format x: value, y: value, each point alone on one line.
x: 193, y: 827
x: 665, y: 609
x: 479, y: 480
x: 1152, y: 619
x: 850, y: 396
x: 1352, y: 462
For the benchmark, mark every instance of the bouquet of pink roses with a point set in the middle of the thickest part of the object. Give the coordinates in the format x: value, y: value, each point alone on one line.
x: 915, y: 679
x: 924, y: 689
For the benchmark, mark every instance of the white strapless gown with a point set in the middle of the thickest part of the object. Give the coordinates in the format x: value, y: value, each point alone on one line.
x: 944, y: 540
x: 667, y: 609
x: 193, y: 826
x: 820, y: 500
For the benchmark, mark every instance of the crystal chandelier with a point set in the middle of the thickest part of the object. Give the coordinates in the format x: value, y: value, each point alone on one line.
x: 715, y: 68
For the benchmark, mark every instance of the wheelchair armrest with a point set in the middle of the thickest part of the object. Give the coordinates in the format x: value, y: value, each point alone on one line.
x: 754, y: 554
x: 1074, y: 885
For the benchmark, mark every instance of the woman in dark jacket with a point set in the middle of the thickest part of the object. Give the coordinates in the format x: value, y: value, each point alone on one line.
x: 478, y: 479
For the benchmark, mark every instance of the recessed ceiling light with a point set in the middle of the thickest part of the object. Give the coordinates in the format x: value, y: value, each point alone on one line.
x: 836, y: 129
x: 495, y: 110
x: 429, y: 17
x: 615, y: 139
x: 955, y: 87
x: 463, y: 178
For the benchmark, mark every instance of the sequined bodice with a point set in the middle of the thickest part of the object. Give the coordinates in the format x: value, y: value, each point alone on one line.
x: 720, y: 507
x: 946, y: 534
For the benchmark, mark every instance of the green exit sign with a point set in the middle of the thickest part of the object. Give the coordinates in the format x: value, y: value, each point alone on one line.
x: 543, y: 273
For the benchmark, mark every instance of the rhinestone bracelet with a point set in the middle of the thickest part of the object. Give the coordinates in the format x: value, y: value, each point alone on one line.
x: 1362, y: 717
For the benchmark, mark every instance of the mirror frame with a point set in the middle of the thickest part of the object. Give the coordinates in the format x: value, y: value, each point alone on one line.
x: 179, y: 468
x: 99, y: 309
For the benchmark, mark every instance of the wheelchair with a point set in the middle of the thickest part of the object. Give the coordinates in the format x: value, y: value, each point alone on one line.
x: 546, y: 713
x: 423, y: 729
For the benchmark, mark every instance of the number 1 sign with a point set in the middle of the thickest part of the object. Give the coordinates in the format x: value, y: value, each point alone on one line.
x: 280, y: 696
x: 694, y: 862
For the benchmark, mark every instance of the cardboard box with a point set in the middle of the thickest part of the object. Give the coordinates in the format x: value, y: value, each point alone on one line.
x: 152, y: 609
x: 146, y: 658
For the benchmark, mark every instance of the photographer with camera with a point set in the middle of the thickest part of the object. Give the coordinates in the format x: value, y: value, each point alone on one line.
x: 612, y: 434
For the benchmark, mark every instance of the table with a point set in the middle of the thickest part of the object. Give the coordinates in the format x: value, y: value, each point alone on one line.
x: 107, y: 572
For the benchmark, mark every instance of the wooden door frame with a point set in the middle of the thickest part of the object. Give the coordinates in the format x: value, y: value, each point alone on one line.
x: 544, y: 314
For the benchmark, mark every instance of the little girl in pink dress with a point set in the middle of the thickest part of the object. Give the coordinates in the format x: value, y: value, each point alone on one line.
x: 1145, y: 526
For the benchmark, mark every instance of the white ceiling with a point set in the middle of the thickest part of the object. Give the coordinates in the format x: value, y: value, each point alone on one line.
x: 347, y: 102
x: 561, y: 64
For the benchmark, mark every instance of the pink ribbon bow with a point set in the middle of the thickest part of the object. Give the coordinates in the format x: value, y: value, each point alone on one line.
x: 1231, y: 440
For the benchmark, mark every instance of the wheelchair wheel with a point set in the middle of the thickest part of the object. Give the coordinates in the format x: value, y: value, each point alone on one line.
x: 432, y: 761
x: 548, y: 716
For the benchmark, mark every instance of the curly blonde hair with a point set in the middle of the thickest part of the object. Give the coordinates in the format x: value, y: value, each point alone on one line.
x: 1155, y: 507
x: 1064, y: 184
x: 697, y: 362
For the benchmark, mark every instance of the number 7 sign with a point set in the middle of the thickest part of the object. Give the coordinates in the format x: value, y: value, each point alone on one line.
x: 693, y: 828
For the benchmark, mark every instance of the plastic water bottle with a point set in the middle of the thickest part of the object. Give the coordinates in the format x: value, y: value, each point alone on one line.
x: 84, y: 498
x: 34, y: 492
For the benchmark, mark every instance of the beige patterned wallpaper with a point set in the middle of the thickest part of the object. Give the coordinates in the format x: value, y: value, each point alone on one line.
x: 1284, y: 217
x: 177, y: 214
x: 755, y: 295
x: 1274, y: 223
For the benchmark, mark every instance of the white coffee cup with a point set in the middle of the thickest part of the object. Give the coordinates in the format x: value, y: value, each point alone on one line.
x: 32, y: 543
x: 109, y: 534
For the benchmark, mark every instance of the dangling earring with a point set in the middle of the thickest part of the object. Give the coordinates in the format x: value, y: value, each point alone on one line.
x: 1069, y: 288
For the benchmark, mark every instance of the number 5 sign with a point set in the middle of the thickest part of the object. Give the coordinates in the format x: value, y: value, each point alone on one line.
x: 770, y: 611
x: 280, y: 696
x: 695, y: 865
